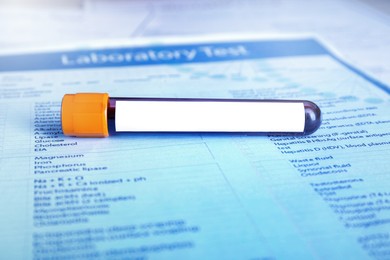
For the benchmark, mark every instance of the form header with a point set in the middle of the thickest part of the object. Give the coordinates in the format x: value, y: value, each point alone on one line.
x: 159, y: 55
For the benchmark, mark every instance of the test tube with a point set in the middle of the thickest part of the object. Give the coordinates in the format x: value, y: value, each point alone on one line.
x: 98, y: 115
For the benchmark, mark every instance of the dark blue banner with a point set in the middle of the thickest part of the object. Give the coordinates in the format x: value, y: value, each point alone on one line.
x: 157, y: 55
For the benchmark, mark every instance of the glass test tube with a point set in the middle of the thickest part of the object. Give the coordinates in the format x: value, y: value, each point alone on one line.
x: 98, y: 115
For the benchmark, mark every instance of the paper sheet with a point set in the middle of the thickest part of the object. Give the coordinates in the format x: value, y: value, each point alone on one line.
x: 194, y: 196
x: 359, y: 29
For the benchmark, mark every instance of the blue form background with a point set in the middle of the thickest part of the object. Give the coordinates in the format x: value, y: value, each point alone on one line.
x: 258, y: 49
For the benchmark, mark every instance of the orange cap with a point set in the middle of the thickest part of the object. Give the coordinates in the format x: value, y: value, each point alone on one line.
x: 85, y: 114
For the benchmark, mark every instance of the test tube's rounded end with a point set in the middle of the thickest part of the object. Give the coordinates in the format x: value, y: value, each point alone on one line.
x: 85, y: 114
x: 313, y: 117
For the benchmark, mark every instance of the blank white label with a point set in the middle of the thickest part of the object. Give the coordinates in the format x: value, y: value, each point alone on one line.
x: 209, y: 116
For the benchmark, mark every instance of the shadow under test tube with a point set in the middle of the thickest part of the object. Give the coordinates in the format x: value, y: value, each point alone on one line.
x: 98, y: 115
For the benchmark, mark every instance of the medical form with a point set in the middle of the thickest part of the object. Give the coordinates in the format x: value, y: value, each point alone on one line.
x: 194, y: 195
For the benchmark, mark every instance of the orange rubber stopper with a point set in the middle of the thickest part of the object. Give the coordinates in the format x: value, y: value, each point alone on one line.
x: 85, y: 114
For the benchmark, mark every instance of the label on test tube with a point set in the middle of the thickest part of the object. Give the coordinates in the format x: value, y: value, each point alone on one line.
x: 209, y: 116
x: 97, y: 115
